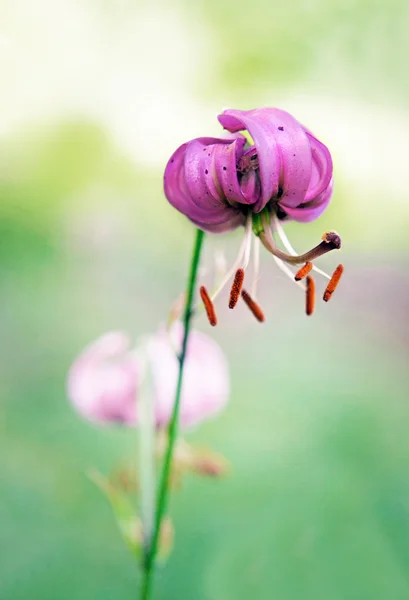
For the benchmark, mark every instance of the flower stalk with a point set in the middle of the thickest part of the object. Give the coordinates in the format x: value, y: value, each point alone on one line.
x: 147, y: 461
x: 163, y: 489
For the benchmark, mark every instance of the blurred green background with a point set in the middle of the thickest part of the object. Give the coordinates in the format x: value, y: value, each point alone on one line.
x: 96, y: 94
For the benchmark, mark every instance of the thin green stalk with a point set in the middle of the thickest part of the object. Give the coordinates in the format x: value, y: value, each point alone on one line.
x: 147, y: 460
x: 162, y: 497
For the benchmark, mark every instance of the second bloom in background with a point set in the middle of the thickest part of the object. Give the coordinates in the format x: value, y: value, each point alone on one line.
x: 104, y: 382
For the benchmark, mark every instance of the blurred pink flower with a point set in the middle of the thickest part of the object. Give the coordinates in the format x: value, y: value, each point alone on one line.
x: 104, y: 381
x: 206, y: 378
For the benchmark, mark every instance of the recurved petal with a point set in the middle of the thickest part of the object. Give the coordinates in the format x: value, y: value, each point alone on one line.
x: 186, y: 189
x: 255, y: 122
x: 283, y: 149
x: 311, y: 210
x: 234, y: 220
x: 226, y: 159
x: 200, y: 172
x: 321, y: 173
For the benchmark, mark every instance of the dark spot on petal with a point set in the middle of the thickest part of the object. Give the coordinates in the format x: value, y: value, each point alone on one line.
x: 208, y: 154
x: 293, y: 154
x: 206, y: 171
x: 281, y: 128
x: 173, y: 160
x: 224, y: 168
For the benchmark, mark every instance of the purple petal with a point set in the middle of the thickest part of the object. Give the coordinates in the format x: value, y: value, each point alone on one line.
x: 236, y: 218
x: 283, y: 149
x: 311, y: 210
x: 178, y: 189
x: 226, y: 159
x: 321, y: 173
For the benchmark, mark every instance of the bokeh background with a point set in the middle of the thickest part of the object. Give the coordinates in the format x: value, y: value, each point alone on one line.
x: 95, y: 96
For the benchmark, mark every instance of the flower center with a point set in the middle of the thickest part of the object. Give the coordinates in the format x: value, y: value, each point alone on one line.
x: 265, y: 226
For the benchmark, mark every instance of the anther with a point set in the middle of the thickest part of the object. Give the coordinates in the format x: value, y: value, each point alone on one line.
x: 333, y: 283
x: 253, y: 306
x: 303, y: 272
x: 236, y: 288
x: 209, y: 306
x: 310, y: 296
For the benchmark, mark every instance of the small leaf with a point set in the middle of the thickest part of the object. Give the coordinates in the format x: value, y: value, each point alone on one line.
x: 128, y: 523
x: 166, y: 539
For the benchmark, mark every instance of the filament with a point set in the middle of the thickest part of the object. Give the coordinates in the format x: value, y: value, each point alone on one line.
x: 287, y: 244
x: 281, y: 265
x: 256, y: 266
x: 239, y: 262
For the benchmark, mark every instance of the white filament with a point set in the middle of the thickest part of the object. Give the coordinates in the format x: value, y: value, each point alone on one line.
x: 240, y: 262
x: 287, y: 245
x: 256, y: 263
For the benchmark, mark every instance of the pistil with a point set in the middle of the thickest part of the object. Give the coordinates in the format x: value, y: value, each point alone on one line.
x: 276, y: 225
x: 330, y: 241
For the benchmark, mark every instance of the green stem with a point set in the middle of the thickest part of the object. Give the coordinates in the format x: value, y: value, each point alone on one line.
x: 147, y: 460
x: 172, y: 430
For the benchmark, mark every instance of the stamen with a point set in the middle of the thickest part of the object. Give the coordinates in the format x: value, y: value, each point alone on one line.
x: 253, y: 306
x: 287, y: 245
x: 256, y: 266
x: 220, y: 264
x: 331, y: 241
x: 303, y: 272
x: 282, y: 265
x: 209, y: 306
x: 236, y: 288
x: 333, y: 283
x: 239, y: 262
x: 310, y: 296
